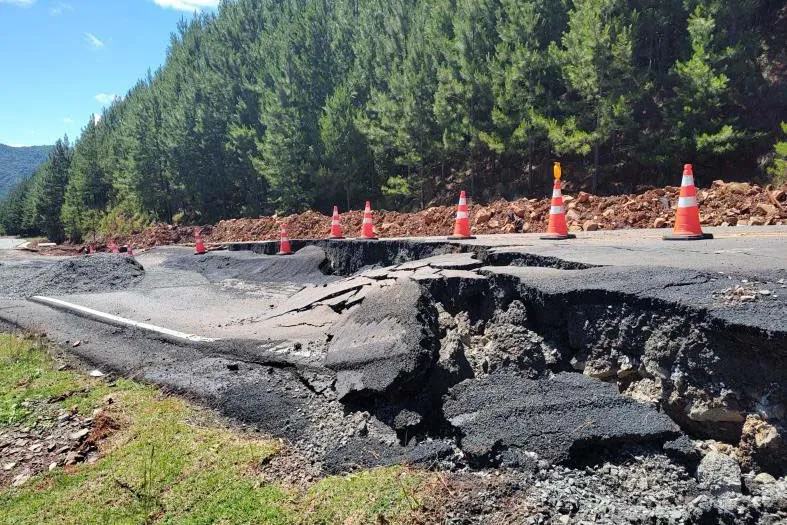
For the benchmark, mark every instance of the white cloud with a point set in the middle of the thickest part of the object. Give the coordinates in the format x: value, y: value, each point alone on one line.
x: 17, y: 145
x: 96, y: 118
x: 20, y: 3
x: 93, y: 40
x: 105, y: 98
x: 60, y: 8
x: 187, y: 5
x: 68, y: 120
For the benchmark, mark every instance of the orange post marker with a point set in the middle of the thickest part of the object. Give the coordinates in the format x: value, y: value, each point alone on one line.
x: 199, y: 245
x: 336, y: 227
x: 367, y: 228
x: 462, y: 223
x: 557, y: 229
x: 687, y: 218
x: 284, y: 242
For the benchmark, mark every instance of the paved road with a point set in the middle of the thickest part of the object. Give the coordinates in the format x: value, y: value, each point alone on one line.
x: 8, y: 243
x: 218, y: 304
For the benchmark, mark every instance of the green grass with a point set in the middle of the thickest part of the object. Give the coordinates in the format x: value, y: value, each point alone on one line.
x: 171, y: 462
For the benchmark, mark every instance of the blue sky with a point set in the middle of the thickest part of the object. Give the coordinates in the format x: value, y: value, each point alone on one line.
x: 61, y: 61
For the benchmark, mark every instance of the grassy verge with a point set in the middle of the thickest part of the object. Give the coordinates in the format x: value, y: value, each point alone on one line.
x: 171, y: 462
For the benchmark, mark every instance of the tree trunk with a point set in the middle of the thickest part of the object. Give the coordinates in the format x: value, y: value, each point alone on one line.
x: 594, y: 180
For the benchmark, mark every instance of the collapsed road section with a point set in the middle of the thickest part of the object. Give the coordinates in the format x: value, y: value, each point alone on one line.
x: 473, y: 356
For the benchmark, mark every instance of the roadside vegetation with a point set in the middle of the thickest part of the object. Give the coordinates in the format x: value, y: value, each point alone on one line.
x: 282, y: 106
x: 161, y: 460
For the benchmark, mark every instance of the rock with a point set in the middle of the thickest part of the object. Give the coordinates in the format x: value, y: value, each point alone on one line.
x: 583, y: 197
x: 572, y: 215
x: 778, y: 195
x: 767, y: 209
x: 762, y: 445
x: 79, y: 434
x: 756, y: 221
x: 72, y: 458
x: 720, y: 473
x: 96, y: 373
x: 764, y: 478
x: 9, y: 466
x: 556, y: 418
x: 52, y: 466
x: 660, y: 222
x: 386, y: 344
x: 493, y: 223
x: 22, y: 478
x: 590, y: 226
x: 482, y: 216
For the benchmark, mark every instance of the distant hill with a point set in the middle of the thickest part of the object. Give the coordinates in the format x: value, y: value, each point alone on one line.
x: 16, y: 163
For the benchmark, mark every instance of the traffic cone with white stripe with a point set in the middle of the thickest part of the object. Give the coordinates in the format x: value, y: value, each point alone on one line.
x: 284, y: 242
x: 557, y: 229
x: 199, y: 245
x: 367, y: 229
x: 336, y: 227
x: 462, y: 225
x: 687, y: 218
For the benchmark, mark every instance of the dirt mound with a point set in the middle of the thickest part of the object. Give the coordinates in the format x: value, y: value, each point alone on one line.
x: 101, y: 272
x: 723, y: 204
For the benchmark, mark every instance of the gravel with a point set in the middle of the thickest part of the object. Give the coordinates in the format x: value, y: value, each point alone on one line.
x: 95, y: 273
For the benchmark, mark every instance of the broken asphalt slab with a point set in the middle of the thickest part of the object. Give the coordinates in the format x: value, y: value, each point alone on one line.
x: 505, y: 419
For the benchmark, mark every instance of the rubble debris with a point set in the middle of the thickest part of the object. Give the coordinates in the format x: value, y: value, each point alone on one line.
x: 59, y: 437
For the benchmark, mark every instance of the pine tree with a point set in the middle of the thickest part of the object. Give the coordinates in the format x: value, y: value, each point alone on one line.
x: 700, y: 118
x: 596, y: 63
x: 49, y: 189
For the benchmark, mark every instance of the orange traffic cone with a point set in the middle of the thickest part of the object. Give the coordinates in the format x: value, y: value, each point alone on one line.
x: 367, y: 229
x: 336, y: 227
x: 284, y: 242
x: 462, y: 224
x: 687, y: 218
x: 113, y: 246
x: 557, y: 229
x: 199, y: 246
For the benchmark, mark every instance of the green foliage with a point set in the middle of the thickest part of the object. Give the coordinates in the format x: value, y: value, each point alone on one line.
x: 778, y: 168
x: 282, y: 105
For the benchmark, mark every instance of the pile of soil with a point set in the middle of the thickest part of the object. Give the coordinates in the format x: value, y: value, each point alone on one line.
x: 723, y: 204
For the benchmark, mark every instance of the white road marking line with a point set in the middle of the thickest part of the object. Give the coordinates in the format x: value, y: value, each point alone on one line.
x: 120, y: 321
